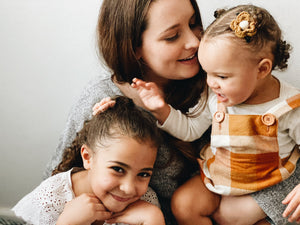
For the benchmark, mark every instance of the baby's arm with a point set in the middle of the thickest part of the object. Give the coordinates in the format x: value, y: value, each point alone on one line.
x: 83, y: 210
x: 139, y: 212
x: 171, y: 120
x: 292, y: 201
x: 152, y: 99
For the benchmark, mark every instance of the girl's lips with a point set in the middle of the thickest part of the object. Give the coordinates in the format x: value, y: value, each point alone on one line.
x: 120, y: 199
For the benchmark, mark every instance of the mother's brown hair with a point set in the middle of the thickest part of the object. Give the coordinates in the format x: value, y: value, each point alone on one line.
x: 120, y: 27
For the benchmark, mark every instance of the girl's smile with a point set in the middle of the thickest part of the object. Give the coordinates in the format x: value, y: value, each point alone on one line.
x: 119, y: 172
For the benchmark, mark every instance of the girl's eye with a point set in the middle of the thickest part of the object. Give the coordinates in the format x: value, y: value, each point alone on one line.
x: 144, y: 174
x: 173, y: 38
x: 118, y: 169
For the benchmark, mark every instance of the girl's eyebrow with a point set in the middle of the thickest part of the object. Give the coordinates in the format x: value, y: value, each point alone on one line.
x: 128, y: 167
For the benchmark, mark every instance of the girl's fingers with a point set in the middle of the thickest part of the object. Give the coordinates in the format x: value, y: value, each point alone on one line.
x: 288, y: 197
x: 103, y: 215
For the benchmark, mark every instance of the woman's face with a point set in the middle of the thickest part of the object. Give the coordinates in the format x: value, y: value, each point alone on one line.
x: 170, y: 42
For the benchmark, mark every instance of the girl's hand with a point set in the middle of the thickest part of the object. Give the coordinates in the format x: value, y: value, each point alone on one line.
x: 139, y: 212
x: 83, y: 210
x: 103, y: 105
x: 292, y: 201
x: 152, y: 99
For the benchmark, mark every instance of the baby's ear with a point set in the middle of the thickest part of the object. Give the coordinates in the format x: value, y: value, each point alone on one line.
x: 86, y: 155
x: 264, y: 68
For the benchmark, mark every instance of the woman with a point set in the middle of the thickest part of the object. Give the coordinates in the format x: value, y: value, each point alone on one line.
x: 155, y: 41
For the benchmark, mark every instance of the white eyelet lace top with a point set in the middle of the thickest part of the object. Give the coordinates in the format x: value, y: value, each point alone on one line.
x: 46, y: 202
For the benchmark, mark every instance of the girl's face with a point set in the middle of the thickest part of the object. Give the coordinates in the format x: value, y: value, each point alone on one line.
x: 232, y: 72
x: 170, y: 42
x: 119, y: 173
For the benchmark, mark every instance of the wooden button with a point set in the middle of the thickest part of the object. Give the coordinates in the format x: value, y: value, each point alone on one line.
x: 268, y: 119
x: 219, y: 116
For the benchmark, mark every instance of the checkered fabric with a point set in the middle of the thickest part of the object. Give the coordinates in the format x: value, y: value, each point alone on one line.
x: 244, y: 154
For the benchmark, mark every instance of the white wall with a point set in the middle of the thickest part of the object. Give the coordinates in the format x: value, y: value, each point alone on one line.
x: 47, y: 54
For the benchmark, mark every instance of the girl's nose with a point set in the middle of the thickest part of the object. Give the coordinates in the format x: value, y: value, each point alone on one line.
x: 128, y: 186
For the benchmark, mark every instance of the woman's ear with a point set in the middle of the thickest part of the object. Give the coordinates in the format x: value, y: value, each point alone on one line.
x: 86, y: 155
x: 264, y: 68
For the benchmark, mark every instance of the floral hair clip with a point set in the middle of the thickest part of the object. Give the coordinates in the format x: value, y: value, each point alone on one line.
x: 244, y: 26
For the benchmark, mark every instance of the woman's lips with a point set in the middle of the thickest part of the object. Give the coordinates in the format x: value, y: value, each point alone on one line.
x: 189, y: 60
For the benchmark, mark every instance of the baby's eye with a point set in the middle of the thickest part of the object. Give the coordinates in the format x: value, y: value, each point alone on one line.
x: 144, y: 174
x: 118, y: 169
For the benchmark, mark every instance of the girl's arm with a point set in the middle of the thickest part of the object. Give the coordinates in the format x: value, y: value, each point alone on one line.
x: 292, y: 201
x: 139, y: 212
x: 83, y: 210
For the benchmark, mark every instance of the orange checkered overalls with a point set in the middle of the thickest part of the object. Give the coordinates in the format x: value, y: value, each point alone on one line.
x: 243, y: 156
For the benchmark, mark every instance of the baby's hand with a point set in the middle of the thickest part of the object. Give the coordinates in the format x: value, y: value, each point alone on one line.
x: 292, y: 201
x: 152, y: 99
x: 139, y: 212
x: 84, y: 209
x: 103, y: 105
x: 149, y: 93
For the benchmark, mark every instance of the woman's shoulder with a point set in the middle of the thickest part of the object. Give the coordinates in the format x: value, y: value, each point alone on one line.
x: 97, y: 88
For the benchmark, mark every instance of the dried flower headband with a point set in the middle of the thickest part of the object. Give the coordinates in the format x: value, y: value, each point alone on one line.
x: 244, y: 26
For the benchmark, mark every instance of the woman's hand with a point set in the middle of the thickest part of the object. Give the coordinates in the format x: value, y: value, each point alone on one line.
x: 152, y: 99
x: 292, y: 201
x: 83, y: 210
x: 103, y: 105
x: 139, y: 212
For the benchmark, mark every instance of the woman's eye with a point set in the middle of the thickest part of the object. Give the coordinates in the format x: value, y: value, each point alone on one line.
x: 145, y: 174
x: 193, y: 25
x: 173, y: 38
x: 222, y: 77
x: 118, y: 169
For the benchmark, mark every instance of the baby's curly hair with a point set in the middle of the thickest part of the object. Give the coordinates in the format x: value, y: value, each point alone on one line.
x: 124, y: 119
x: 267, y: 38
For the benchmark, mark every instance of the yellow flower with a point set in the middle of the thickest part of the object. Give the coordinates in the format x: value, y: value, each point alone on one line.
x: 243, y: 25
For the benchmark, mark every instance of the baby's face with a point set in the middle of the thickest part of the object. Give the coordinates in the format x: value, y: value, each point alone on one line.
x: 232, y: 72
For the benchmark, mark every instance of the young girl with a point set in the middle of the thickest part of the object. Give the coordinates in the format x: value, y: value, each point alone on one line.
x: 103, y: 175
x: 254, y: 117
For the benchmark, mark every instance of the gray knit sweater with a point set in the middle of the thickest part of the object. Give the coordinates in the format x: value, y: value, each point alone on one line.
x: 163, y: 180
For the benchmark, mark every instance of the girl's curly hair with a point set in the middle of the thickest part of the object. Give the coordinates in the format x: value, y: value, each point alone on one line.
x: 124, y: 119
